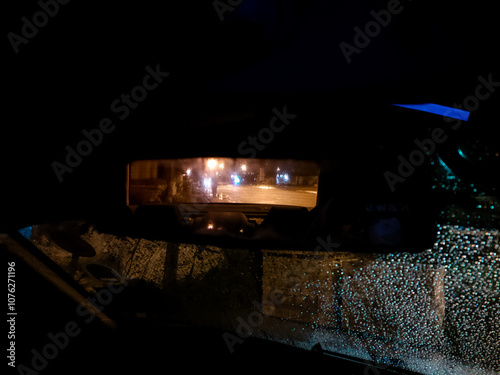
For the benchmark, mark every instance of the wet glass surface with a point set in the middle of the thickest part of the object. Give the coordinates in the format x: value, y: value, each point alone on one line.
x: 433, y: 312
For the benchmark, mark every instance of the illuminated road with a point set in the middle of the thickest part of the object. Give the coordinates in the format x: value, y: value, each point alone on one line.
x: 296, y: 196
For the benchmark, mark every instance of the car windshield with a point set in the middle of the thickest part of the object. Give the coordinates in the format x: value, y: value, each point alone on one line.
x: 434, y: 311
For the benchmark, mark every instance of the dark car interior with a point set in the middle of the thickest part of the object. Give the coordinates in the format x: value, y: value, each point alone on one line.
x: 219, y: 185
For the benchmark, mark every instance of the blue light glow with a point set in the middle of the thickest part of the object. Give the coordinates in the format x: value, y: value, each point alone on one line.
x: 437, y: 109
x: 236, y: 179
x: 461, y: 153
x: 26, y: 232
x: 447, y: 169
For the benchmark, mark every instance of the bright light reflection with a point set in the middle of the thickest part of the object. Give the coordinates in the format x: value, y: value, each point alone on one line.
x: 211, y: 163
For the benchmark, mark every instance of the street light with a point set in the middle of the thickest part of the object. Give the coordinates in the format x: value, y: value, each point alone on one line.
x: 244, y: 167
x: 211, y: 163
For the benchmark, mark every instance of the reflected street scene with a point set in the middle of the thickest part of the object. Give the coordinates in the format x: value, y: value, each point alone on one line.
x: 223, y: 180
